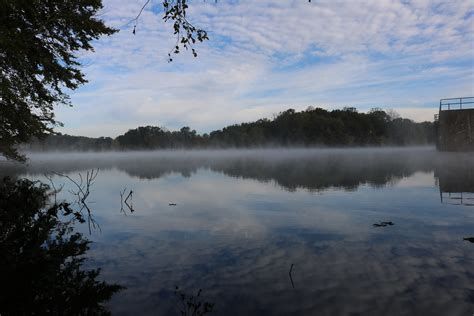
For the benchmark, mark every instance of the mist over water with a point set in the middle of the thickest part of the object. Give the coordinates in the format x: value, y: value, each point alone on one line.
x: 243, y: 217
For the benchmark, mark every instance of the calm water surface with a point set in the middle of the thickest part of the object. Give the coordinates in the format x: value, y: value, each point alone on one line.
x: 243, y: 219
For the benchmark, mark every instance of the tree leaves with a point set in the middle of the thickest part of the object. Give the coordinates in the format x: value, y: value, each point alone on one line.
x: 38, y: 45
x: 186, y: 33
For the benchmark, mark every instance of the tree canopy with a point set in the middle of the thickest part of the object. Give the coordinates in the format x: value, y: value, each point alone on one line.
x: 39, y: 41
x: 312, y: 127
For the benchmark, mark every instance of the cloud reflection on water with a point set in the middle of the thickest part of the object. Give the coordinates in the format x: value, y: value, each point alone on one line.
x: 235, y: 232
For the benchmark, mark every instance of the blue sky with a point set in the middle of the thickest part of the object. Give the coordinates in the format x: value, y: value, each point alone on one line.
x: 267, y: 56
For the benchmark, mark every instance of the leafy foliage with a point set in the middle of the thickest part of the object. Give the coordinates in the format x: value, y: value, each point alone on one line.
x: 38, y: 62
x: 186, y: 33
x: 40, y: 266
x: 316, y: 127
x: 156, y: 137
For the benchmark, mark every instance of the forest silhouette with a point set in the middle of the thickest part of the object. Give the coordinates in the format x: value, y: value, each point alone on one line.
x: 311, y: 127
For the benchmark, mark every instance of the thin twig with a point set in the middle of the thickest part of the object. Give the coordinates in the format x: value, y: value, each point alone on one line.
x: 138, y: 16
x: 121, y: 201
x: 55, y: 190
x: 291, y: 278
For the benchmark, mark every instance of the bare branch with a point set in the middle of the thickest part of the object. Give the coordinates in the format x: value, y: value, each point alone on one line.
x: 138, y: 16
x: 82, y: 193
x: 122, y: 201
x: 55, y: 190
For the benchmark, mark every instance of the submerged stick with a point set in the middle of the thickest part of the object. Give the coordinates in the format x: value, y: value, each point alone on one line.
x: 122, y: 201
x: 291, y: 279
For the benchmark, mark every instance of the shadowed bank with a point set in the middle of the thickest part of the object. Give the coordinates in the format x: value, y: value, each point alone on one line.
x: 42, y: 256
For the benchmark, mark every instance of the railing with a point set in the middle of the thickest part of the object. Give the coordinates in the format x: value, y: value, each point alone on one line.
x: 457, y: 198
x: 456, y: 103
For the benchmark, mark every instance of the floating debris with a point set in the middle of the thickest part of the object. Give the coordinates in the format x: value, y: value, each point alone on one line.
x: 470, y: 239
x: 383, y: 224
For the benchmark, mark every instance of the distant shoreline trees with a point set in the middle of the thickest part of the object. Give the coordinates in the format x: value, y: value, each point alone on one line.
x: 311, y: 127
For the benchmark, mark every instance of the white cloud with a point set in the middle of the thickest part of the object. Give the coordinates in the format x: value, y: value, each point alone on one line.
x: 267, y: 56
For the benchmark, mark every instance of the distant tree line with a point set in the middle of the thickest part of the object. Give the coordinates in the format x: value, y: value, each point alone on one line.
x: 311, y: 127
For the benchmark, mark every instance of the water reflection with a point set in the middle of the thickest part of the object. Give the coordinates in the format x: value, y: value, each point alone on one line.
x: 310, y: 169
x: 456, y: 181
x: 41, y: 257
x: 282, y: 233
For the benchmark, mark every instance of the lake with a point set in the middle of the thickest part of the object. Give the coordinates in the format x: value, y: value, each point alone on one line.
x: 278, y: 232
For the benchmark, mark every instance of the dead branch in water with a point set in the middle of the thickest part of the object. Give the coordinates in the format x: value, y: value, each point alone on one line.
x: 291, y: 278
x: 122, y: 201
x: 82, y: 192
x: 55, y: 190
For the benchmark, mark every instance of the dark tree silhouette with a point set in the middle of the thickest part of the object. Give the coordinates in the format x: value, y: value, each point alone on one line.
x: 38, y: 45
x: 312, y: 127
x: 42, y: 255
